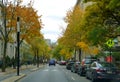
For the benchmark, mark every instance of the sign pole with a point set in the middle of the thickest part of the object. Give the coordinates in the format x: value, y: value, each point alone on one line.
x: 110, y: 44
x: 18, y: 45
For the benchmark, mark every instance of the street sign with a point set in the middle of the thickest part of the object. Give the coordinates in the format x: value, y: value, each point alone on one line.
x: 110, y: 43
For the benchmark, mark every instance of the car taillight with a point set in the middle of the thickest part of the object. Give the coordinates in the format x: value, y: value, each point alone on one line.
x: 76, y: 65
x: 118, y: 72
x: 100, y: 70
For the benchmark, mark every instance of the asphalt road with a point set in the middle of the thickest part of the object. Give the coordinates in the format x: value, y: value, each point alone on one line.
x: 53, y: 74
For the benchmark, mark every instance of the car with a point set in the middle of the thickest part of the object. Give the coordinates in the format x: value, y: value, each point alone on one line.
x: 84, y: 64
x: 1, y: 63
x: 103, y: 71
x: 62, y: 62
x: 69, y: 65
x: 52, y: 62
x: 74, y: 67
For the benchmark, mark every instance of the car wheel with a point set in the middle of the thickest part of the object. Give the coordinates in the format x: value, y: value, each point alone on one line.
x: 80, y: 72
x: 93, y: 79
x: 73, y: 71
x: 87, y: 76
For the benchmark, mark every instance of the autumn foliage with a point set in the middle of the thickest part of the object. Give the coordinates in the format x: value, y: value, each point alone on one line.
x: 30, y: 22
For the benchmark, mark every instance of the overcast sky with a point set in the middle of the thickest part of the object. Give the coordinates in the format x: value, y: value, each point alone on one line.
x: 53, y: 12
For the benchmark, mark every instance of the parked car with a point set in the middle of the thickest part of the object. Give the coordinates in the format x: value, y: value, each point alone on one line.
x: 74, y: 67
x: 103, y: 71
x: 84, y: 64
x: 1, y: 63
x: 58, y: 62
x: 52, y: 62
x: 62, y: 62
x: 69, y: 65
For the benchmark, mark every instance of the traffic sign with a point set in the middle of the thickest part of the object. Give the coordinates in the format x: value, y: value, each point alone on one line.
x: 110, y: 43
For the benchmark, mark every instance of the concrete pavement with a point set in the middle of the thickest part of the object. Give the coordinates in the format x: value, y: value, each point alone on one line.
x: 15, y: 78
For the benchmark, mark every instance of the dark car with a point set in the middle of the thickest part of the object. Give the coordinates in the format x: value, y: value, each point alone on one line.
x: 1, y: 63
x: 74, y: 67
x: 69, y: 65
x: 84, y: 64
x: 52, y: 62
x: 103, y: 71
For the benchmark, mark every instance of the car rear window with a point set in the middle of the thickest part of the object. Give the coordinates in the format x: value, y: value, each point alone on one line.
x: 106, y: 65
x: 87, y: 61
x: 71, y: 63
x: 77, y: 62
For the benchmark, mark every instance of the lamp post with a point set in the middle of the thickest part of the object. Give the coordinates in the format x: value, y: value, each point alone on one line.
x: 18, y: 45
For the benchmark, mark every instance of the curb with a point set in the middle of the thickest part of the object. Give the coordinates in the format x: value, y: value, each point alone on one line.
x: 14, y: 78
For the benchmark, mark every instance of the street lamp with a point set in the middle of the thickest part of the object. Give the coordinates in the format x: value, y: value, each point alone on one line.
x: 18, y: 45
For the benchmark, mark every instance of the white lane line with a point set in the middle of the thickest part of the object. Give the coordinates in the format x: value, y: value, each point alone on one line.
x: 46, y: 70
x: 54, y: 70
x: 66, y: 72
x: 73, y: 78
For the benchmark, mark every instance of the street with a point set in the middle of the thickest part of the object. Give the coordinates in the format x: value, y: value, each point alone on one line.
x: 53, y: 74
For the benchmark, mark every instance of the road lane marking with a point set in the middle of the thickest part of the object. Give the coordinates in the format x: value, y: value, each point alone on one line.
x: 54, y: 70
x: 46, y: 70
x: 73, y: 78
x: 50, y: 70
x: 66, y: 72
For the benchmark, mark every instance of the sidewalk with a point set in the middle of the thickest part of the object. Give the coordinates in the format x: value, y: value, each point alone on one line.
x: 15, y: 78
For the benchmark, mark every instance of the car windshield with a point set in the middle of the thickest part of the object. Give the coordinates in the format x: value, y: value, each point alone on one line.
x: 77, y: 62
x: 87, y: 61
x: 71, y: 63
x: 52, y: 60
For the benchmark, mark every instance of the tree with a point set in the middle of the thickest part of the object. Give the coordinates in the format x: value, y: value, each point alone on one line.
x: 62, y: 53
x: 35, y: 47
x: 101, y: 22
x: 56, y: 53
x: 5, y: 31
x: 30, y: 23
x: 74, y: 32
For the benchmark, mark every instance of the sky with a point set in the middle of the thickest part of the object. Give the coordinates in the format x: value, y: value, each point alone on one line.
x: 53, y: 13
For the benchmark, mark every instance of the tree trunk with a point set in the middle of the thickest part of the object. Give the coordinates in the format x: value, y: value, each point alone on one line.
x: 34, y: 60
x: 4, y: 56
x: 5, y: 38
x: 79, y: 54
x: 75, y: 55
x: 37, y: 60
